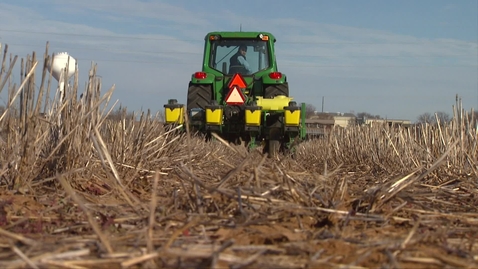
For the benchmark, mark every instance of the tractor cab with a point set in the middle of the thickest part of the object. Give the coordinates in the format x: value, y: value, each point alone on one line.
x: 223, y: 50
x: 226, y: 53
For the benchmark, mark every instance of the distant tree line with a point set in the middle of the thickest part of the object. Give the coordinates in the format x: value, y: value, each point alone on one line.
x: 437, y: 117
x: 442, y: 118
x: 365, y: 115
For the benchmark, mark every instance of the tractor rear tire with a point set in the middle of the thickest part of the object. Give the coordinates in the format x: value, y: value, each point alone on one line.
x: 199, y: 96
x: 274, y: 90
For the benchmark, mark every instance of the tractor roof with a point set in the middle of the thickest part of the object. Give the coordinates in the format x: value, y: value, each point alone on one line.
x: 240, y: 34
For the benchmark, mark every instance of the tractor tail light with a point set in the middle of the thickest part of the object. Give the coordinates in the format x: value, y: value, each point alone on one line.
x: 275, y: 75
x: 200, y: 75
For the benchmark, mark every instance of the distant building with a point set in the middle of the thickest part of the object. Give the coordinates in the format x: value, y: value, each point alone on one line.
x: 390, y: 122
x: 344, y: 121
x: 317, y: 126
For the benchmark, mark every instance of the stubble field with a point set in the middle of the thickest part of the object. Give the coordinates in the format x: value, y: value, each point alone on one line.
x: 79, y: 189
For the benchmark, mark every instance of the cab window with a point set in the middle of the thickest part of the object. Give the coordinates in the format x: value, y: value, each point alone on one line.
x: 257, y: 55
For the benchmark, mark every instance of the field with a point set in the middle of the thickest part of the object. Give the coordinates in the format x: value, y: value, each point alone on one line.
x: 80, y: 189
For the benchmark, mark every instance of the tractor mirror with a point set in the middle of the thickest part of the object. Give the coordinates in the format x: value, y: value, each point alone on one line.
x: 258, y: 48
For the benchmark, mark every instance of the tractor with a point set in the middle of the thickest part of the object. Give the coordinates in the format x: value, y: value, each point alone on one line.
x: 241, y: 102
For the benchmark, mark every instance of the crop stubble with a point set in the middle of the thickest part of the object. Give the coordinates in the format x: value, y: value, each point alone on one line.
x: 82, y: 186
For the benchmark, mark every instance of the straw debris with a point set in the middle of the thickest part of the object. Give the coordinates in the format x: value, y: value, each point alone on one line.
x: 83, y: 186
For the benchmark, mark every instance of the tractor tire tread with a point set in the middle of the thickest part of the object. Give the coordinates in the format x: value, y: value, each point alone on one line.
x: 199, y: 96
x: 274, y: 90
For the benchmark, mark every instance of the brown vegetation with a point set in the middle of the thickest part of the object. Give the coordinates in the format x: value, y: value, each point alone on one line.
x: 81, y: 190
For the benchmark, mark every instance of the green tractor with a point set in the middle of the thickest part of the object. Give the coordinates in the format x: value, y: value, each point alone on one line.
x: 240, y: 95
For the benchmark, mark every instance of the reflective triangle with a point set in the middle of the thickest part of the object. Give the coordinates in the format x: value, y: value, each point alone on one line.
x: 237, y: 80
x: 235, y: 97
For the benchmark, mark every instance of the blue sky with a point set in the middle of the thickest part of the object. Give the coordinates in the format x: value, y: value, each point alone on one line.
x: 397, y: 59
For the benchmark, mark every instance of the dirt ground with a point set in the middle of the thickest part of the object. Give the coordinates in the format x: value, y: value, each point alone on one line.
x: 264, y: 215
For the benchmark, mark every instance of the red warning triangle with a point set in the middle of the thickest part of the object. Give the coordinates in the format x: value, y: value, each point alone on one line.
x: 235, y: 96
x: 237, y: 80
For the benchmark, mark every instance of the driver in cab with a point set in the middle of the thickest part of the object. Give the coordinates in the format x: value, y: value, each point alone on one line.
x: 238, y: 62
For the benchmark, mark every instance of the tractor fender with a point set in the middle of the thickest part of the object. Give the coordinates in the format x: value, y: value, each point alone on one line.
x: 209, y: 79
